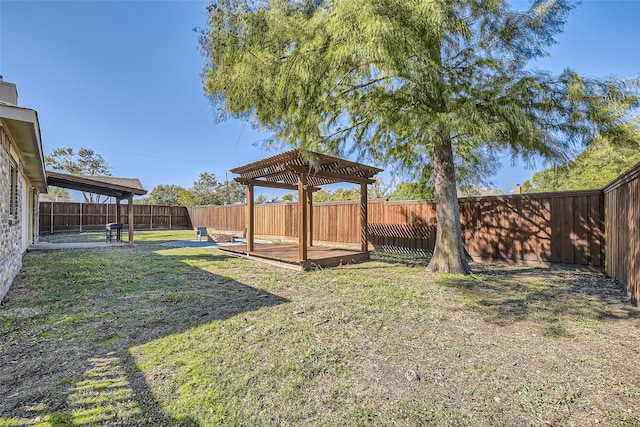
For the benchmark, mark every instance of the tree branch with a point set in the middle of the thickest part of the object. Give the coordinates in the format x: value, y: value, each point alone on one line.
x: 369, y: 83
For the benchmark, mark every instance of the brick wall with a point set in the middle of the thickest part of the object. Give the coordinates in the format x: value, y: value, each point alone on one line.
x: 10, y: 233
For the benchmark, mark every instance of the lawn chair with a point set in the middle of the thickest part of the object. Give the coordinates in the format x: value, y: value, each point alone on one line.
x: 202, y: 232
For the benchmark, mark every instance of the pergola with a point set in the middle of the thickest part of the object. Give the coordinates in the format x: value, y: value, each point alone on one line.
x: 305, y: 172
x: 118, y: 188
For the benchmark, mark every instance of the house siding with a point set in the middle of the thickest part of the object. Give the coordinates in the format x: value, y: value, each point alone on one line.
x: 11, y: 236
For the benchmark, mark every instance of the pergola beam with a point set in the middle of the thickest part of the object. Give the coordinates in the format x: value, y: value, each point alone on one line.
x: 336, y: 176
x: 271, y: 184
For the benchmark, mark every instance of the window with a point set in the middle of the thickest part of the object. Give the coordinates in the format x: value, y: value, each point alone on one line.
x: 13, y: 192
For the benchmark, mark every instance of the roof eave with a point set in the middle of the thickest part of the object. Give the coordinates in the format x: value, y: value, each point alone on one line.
x: 23, y: 126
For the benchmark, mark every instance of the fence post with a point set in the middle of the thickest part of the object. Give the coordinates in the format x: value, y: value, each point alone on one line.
x: 169, y: 217
x: 81, y: 217
x: 106, y: 221
x: 51, y: 217
x: 150, y: 217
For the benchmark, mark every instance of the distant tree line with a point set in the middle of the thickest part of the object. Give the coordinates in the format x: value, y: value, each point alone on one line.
x: 206, y: 190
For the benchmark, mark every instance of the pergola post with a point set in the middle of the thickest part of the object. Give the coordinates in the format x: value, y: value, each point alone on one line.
x: 364, y: 228
x: 302, y: 220
x: 130, y: 211
x: 250, y: 218
x: 310, y: 216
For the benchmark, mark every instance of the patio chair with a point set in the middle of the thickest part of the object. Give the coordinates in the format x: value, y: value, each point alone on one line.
x: 202, y: 232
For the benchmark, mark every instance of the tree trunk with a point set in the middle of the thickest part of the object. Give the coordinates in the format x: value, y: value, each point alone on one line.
x: 448, y: 254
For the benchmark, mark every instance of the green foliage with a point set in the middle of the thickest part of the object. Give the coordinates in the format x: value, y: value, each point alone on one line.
x: 232, y: 192
x: 419, y: 190
x: 187, y: 197
x: 380, y: 189
x: 84, y: 162
x: 598, y: 165
x: 56, y: 194
x: 289, y: 197
x: 338, y: 195
x: 205, y: 191
x: 167, y: 195
x: 345, y: 194
x: 392, y: 80
x: 321, y: 196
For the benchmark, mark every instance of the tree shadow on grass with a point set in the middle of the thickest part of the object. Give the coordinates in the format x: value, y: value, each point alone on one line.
x: 505, y: 294
x: 409, y: 259
x: 71, y: 317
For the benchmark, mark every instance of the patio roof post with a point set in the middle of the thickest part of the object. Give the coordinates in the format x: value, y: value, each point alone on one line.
x: 250, y: 218
x: 310, y: 216
x: 130, y: 212
x: 117, y: 209
x: 364, y: 228
x: 302, y: 219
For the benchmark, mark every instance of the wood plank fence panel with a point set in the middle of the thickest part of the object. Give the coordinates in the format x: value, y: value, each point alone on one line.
x: 229, y: 217
x: 622, y: 230
x: 72, y: 216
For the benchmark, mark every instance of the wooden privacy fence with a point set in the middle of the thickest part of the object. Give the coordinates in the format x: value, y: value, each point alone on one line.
x: 565, y: 227
x: 622, y: 213
x: 71, y: 216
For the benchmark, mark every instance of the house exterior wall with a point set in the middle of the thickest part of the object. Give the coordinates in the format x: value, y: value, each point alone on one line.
x: 16, y: 233
x: 26, y: 211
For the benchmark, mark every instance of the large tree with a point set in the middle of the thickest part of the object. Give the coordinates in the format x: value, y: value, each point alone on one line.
x: 83, y: 162
x: 232, y: 192
x: 56, y: 194
x: 169, y: 195
x: 205, y: 190
x: 439, y: 84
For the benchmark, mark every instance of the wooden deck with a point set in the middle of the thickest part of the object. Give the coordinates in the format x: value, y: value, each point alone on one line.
x: 287, y: 254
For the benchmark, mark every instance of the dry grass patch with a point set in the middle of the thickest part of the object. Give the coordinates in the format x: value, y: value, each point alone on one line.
x: 157, y: 336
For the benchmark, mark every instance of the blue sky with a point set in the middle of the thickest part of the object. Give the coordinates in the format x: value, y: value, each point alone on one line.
x: 123, y: 78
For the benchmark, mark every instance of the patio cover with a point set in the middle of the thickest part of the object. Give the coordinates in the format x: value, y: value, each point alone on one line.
x: 119, y: 188
x: 305, y: 172
x: 105, y: 185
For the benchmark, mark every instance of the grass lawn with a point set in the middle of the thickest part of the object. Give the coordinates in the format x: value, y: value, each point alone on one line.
x: 152, y: 335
